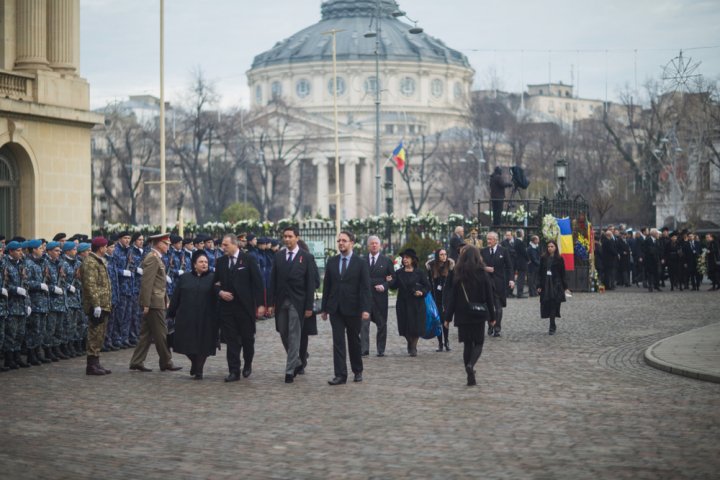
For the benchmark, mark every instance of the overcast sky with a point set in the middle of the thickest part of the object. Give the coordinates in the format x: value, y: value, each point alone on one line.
x: 592, y: 44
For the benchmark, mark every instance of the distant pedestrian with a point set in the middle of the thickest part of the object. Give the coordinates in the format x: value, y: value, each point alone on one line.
x: 439, y: 269
x: 412, y: 285
x: 470, y: 303
x: 551, y: 284
x: 533, y: 253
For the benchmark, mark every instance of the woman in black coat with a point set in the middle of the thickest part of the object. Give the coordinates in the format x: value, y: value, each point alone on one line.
x: 412, y: 285
x: 469, y: 284
x: 551, y: 284
x: 193, y: 308
x: 438, y: 270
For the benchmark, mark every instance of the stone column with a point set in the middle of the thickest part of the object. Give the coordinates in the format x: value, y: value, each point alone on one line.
x: 322, y: 198
x: 31, y: 35
x: 367, y: 190
x: 350, y: 189
x: 63, y: 20
x: 294, y: 188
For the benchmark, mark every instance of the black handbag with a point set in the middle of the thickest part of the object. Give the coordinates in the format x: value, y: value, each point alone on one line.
x: 477, y: 310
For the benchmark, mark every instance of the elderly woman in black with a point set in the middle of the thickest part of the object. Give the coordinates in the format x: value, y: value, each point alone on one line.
x: 193, y: 308
x: 469, y: 300
x: 551, y: 284
x: 438, y: 270
x: 412, y: 285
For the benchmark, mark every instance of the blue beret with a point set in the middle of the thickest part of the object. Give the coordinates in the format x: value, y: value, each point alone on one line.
x: 82, y: 247
x: 14, y: 245
x: 53, y: 245
x: 33, y: 243
x: 69, y: 246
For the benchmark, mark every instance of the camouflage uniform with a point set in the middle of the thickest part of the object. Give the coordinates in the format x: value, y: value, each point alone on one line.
x: 71, y: 267
x: 96, y: 292
x: 18, y: 305
x: 63, y: 332
x: 4, y: 295
x: 38, y: 323
x: 121, y: 261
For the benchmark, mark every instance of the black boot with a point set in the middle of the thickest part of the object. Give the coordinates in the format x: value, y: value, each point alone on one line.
x: 553, y: 327
x: 20, y: 362
x: 440, y: 344
x: 10, y: 361
x: 59, y: 354
x: 93, y: 366
x: 41, y: 356
x: 32, y: 358
x: 3, y: 365
x: 66, y: 351
x: 50, y: 355
x: 447, y: 344
x: 79, y: 348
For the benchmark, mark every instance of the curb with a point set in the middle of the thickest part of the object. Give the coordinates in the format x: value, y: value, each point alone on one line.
x: 652, y: 360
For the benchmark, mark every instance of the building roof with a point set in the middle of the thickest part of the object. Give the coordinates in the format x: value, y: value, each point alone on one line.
x: 356, y: 17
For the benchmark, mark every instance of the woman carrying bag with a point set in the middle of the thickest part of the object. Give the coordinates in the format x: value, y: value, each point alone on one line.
x: 551, y: 284
x: 412, y: 285
x: 469, y: 300
x: 438, y: 270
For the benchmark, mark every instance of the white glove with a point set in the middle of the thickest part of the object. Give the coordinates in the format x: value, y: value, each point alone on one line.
x: 4, y: 292
x: 139, y: 270
x: 97, y: 312
x: 57, y: 290
x: 167, y: 277
x: 180, y: 272
x: 72, y: 289
x: 28, y: 310
x: 21, y: 291
x: 127, y: 273
x: 43, y: 287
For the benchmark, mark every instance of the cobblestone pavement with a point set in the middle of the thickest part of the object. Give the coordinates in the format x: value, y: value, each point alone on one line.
x: 581, y: 404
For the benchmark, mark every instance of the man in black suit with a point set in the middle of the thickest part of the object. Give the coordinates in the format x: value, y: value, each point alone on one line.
x: 521, y: 261
x: 497, y: 264
x: 652, y: 258
x: 240, y: 289
x: 290, y: 296
x: 509, y: 244
x: 380, y: 267
x: 457, y: 240
x: 346, y: 297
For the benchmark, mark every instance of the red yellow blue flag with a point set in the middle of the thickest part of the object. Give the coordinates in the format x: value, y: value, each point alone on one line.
x: 565, y: 243
x: 398, y: 156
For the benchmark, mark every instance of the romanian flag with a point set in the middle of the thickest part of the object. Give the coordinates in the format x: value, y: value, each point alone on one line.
x: 398, y: 156
x: 565, y: 243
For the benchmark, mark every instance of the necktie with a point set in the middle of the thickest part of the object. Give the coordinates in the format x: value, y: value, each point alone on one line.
x: 290, y: 255
x: 372, y: 261
x: 492, y: 251
x: 232, y: 262
x: 344, y: 266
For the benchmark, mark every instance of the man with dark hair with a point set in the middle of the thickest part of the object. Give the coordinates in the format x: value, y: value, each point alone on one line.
x: 521, y: 261
x: 346, y: 297
x: 239, y: 287
x: 153, y: 302
x: 290, y: 297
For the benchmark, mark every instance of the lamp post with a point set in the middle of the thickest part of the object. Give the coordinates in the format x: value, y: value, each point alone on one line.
x: 388, y: 186
x: 561, y: 168
x: 480, y: 163
x: 103, y: 212
x: 376, y: 35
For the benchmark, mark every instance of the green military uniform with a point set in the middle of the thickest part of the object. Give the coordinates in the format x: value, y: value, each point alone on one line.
x: 97, y: 303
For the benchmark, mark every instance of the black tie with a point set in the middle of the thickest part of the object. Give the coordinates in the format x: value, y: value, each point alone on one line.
x: 372, y: 261
x: 290, y: 255
x: 343, y: 267
x: 492, y: 252
x: 232, y: 262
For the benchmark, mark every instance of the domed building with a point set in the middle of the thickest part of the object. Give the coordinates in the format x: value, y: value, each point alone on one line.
x: 424, y: 88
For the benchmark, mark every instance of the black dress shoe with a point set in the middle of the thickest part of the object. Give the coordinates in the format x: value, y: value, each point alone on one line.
x: 470, y: 376
x: 496, y: 334
x: 300, y: 370
x: 380, y: 354
x: 247, y: 372
x: 365, y: 354
x: 140, y: 368
x: 198, y: 376
x: 357, y: 378
x: 232, y: 377
x: 289, y: 378
x: 171, y: 368
x: 337, y: 381
x: 439, y: 349
x: 490, y: 331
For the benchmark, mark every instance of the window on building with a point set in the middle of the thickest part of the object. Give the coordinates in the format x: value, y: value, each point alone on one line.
x: 436, y: 88
x: 390, y: 128
x: 371, y: 85
x: 302, y: 88
x: 567, y: 106
x: 340, y: 85
x: 407, y: 86
x: 411, y: 129
x: 458, y: 90
x: 258, y: 94
x: 401, y: 129
x: 276, y: 90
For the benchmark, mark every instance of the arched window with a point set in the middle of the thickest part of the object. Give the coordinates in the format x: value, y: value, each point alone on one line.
x: 9, y: 185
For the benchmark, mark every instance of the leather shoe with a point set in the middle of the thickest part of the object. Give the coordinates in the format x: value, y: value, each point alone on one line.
x: 171, y: 368
x: 496, y: 334
x: 247, y: 372
x: 232, y: 377
x: 380, y: 354
x: 289, y: 378
x: 357, y: 378
x: 337, y: 381
x: 365, y: 354
x: 140, y: 368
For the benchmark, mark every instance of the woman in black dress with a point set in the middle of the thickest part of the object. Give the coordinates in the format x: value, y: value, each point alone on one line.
x: 412, y: 285
x: 438, y: 270
x: 469, y: 300
x: 551, y: 284
x: 193, y: 308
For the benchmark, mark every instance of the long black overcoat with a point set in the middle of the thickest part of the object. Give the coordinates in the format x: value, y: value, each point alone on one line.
x: 193, y: 305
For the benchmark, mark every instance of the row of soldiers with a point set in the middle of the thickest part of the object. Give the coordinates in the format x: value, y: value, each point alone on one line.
x: 41, y: 315
x: 626, y: 257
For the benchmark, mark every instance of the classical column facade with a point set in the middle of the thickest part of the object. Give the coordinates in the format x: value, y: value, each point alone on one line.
x: 350, y: 188
x: 323, y: 187
x: 294, y: 188
x: 31, y: 35
x: 63, y: 24
x: 367, y: 190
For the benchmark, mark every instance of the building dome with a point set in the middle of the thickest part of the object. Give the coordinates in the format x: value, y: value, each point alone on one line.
x: 355, y: 18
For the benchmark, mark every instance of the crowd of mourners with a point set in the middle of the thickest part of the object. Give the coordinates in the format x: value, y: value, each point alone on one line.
x: 79, y: 296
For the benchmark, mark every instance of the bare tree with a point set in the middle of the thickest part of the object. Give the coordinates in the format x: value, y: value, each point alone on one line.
x: 421, y: 172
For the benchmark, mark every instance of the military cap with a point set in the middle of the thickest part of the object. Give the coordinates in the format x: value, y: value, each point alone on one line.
x: 175, y: 238
x: 53, y: 245
x: 36, y: 243
x: 274, y: 242
x: 83, y: 247
x: 13, y: 245
x: 124, y: 233
x: 18, y: 239
x: 59, y: 236
x: 67, y: 246
x: 250, y: 237
x: 263, y: 240
x: 159, y: 237
x: 187, y: 241
x: 2, y: 237
x: 98, y: 242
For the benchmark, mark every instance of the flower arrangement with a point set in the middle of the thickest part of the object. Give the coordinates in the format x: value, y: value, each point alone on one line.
x: 550, y: 229
x: 702, y: 262
x: 580, y: 251
x: 520, y: 214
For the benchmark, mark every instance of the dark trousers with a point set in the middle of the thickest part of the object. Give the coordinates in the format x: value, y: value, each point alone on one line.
x: 304, y: 340
x: 342, y: 326
x: 652, y: 275
x: 239, y: 334
x: 520, y: 282
x: 497, y: 206
x: 532, y: 281
x: 497, y: 301
x: 472, y: 351
x: 381, y: 339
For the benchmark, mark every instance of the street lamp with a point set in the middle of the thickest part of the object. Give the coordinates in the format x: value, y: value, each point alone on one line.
x: 376, y: 34
x: 561, y: 168
x: 388, y: 206
x: 103, y: 211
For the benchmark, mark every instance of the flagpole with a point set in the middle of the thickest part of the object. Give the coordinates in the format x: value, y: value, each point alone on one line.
x: 338, y: 197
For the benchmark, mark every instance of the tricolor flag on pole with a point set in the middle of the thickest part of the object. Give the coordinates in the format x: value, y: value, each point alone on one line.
x: 398, y: 156
x: 565, y: 243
